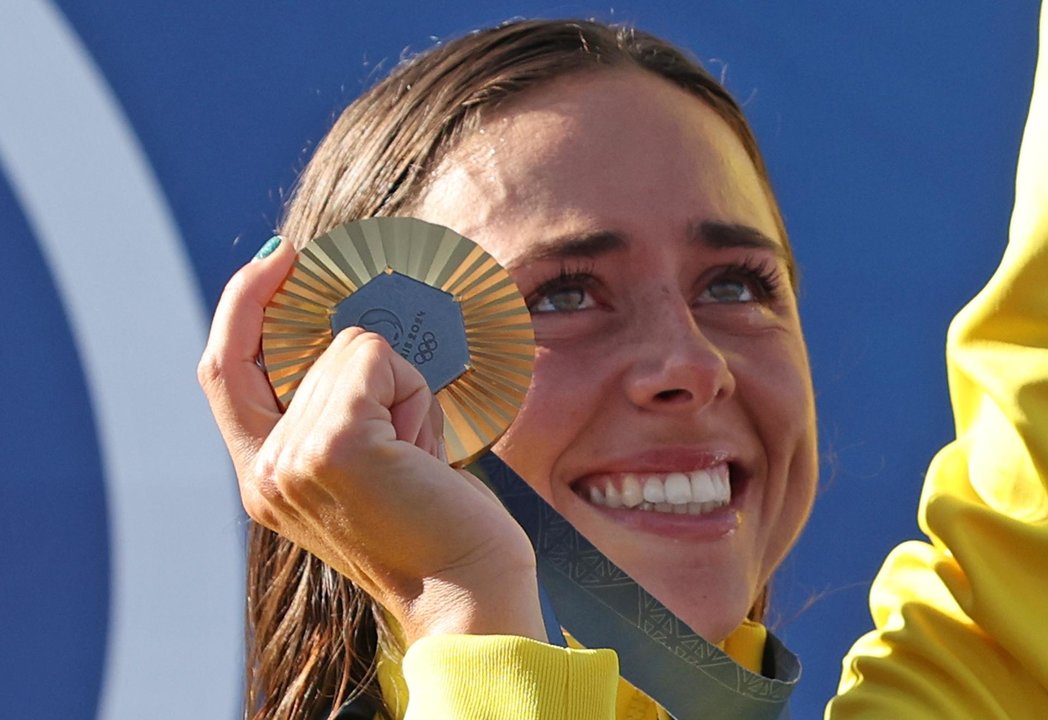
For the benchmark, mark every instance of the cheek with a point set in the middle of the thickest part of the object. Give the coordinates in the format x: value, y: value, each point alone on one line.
x: 796, y: 501
x: 783, y: 404
x: 773, y: 385
x: 779, y: 387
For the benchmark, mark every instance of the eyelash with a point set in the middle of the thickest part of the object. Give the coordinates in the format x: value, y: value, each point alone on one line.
x: 569, y: 278
x: 763, y: 277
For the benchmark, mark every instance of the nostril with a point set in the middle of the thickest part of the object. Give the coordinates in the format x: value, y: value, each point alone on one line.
x: 675, y: 395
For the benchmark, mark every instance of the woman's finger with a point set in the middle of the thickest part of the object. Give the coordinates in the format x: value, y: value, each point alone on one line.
x: 431, y: 438
x: 412, y: 406
x: 238, y: 391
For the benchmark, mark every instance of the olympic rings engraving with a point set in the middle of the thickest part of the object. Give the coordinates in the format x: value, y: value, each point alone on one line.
x: 426, y: 348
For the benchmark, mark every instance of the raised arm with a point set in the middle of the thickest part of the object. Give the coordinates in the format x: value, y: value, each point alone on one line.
x: 960, y: 620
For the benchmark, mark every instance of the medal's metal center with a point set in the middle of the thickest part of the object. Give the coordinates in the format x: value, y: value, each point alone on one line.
x: 424, y: 325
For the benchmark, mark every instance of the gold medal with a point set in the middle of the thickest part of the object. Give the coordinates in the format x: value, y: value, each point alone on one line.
x: 440, y: 301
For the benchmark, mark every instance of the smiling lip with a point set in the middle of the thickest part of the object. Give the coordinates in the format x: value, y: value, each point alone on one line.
x: 667, y: 492
x: 693, y: 492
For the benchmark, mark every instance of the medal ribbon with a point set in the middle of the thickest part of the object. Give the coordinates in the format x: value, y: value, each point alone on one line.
x: 603, y: 607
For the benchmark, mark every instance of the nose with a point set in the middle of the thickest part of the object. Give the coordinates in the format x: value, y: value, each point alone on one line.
x: 677, y: 367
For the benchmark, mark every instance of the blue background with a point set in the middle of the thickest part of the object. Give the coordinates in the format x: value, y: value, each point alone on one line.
x: 891, y: 132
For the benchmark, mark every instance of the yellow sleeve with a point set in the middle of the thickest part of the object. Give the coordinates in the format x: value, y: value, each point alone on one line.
x: 962, y: 621
x: 488, y: 677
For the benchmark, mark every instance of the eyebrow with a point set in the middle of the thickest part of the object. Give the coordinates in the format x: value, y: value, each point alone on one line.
x: 585, y: 245
x: 711, y: 233
x: 721, y: 236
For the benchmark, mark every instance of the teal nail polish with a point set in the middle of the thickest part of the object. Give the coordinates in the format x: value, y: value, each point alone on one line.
x: 269, y: 248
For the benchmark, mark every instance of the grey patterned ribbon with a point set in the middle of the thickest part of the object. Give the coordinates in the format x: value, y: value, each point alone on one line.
x: 603, y: 607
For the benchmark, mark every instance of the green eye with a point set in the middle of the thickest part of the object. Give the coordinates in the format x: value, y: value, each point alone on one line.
x: 571, y: 291
x: 745, y: 282
x: 565, y: 300
x: 729, y: 291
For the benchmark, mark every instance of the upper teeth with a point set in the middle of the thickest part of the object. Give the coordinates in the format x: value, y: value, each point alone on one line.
x: 695, y: 492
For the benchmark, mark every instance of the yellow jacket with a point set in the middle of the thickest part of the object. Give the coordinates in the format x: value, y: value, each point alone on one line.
x: 960, y: 620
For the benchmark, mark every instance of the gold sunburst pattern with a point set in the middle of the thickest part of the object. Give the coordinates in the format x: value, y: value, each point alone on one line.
x: 443, y: 303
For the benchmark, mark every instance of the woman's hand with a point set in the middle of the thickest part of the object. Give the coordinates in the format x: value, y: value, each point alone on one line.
x: 353, y: 472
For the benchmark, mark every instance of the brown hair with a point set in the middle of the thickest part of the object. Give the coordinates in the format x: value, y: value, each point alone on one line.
x: 313, y: 636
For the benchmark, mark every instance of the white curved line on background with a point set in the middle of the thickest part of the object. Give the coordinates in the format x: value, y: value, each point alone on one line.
x: 138, y: 321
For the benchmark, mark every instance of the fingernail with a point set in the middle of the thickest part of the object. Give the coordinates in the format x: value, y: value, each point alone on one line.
x: 269, y: 248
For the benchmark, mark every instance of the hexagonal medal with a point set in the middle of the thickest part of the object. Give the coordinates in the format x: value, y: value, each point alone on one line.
x: 441, y: 302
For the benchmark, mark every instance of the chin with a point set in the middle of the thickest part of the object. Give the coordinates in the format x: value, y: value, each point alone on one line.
x: 716, y: 623
x: 704, y: 568
x: 712, y: 614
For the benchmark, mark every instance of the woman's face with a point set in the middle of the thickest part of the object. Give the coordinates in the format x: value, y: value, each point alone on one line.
x: 670, y: 417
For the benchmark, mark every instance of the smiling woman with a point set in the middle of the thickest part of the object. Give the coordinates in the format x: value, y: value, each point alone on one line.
x: 669, y: 427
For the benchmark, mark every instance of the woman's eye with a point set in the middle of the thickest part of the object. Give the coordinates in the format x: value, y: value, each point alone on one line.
x: 728, y: 290
x: 569, y: 299
x: 743, y: 283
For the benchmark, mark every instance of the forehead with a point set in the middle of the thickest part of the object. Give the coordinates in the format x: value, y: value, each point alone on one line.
x: 618, y: 150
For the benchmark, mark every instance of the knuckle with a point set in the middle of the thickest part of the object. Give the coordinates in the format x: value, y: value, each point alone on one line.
x: 209, y: 369
x: 349, y: 335
x: 319, y: 460
x: 259, y: 508
x: 263, y: 493
x: 295, y: 468
x: 371, y: 345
